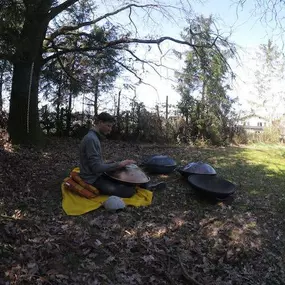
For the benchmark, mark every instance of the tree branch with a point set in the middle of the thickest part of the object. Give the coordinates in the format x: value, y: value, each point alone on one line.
x: 134, y: 73
x: 115, y: 43
x: 63, y: 6
x: 128, y: 69
x: 131, y: 20
x: 149, y: 63
x: 64, y: 29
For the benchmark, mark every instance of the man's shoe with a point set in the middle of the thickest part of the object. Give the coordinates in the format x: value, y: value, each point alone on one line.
x: 157, y: 186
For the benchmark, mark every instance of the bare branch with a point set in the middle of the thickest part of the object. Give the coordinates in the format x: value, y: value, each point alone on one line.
x: 131, y: 20
x: 128, y: 69
x: 60, y: 8
x: 134, y: 73
x: 127, y: 41
x: 149, y: 63
x: 268, y: 12
x: 66, y: 71
x: 64, y: 29
x: 158, y: 46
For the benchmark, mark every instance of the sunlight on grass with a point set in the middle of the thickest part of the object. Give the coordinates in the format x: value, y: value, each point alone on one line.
x: 258, y: 170
x: 272, y: 157
x: 159, y: 232
x: 10, y: 148
x: 156, y: 230
x: 241, y: 232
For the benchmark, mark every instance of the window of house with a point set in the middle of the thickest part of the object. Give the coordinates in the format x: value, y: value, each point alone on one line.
x: 259, y: 124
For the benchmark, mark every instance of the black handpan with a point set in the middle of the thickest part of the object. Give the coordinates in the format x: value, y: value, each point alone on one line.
x: 159, y: 164
x: 214, y: 186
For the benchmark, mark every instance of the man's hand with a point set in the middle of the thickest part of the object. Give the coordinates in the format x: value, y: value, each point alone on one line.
x: 126, y: 162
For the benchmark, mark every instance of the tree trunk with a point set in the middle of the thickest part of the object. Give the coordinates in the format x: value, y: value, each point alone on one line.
x: 96, y: 95
x: 118, y: 112
x: 166, y: 108
x: 23, y: 122
x: 68, y: 115
x: 187, y: 117
x: 61, y: 122
x: 127, y: 125
x: 157, y: 111
x: 58, y: 123
x: 2, y: 83
x: 138, y: 127
x: 1, y: 88
x: 83, y: 110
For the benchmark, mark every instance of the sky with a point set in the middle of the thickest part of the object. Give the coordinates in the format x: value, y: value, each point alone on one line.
x: 245, y: 27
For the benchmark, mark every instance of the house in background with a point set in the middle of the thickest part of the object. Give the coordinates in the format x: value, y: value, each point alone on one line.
x: 253, y: 123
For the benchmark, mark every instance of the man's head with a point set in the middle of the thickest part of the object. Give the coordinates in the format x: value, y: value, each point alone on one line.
x: 104, y: 123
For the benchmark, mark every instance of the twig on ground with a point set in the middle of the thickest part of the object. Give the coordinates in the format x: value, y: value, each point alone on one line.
x: 8, y: 218
x: 167, y: 265
x: 212, y: 220
x: 185, y: 273
x: 166, y: 269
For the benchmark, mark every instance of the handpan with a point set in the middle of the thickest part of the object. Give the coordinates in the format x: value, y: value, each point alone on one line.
x: 212, y: 185
x: 129, y: 174
x: 199, y: 167
x: 159, y: 164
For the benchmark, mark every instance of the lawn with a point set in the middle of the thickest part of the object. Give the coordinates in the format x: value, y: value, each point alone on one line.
x: 180, y: 239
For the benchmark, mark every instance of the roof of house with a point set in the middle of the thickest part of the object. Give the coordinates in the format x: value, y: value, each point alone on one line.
x: 252, y: 116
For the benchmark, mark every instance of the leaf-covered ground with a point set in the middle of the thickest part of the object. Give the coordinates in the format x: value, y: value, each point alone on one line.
x: 179, y: 239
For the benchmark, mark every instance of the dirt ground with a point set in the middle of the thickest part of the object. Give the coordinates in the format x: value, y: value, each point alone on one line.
x: 180, y: 239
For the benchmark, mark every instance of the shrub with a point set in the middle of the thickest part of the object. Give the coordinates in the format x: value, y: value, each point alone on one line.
x: 269, y: 135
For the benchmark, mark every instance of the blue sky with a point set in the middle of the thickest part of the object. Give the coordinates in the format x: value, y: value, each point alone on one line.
x: 248, y: 30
